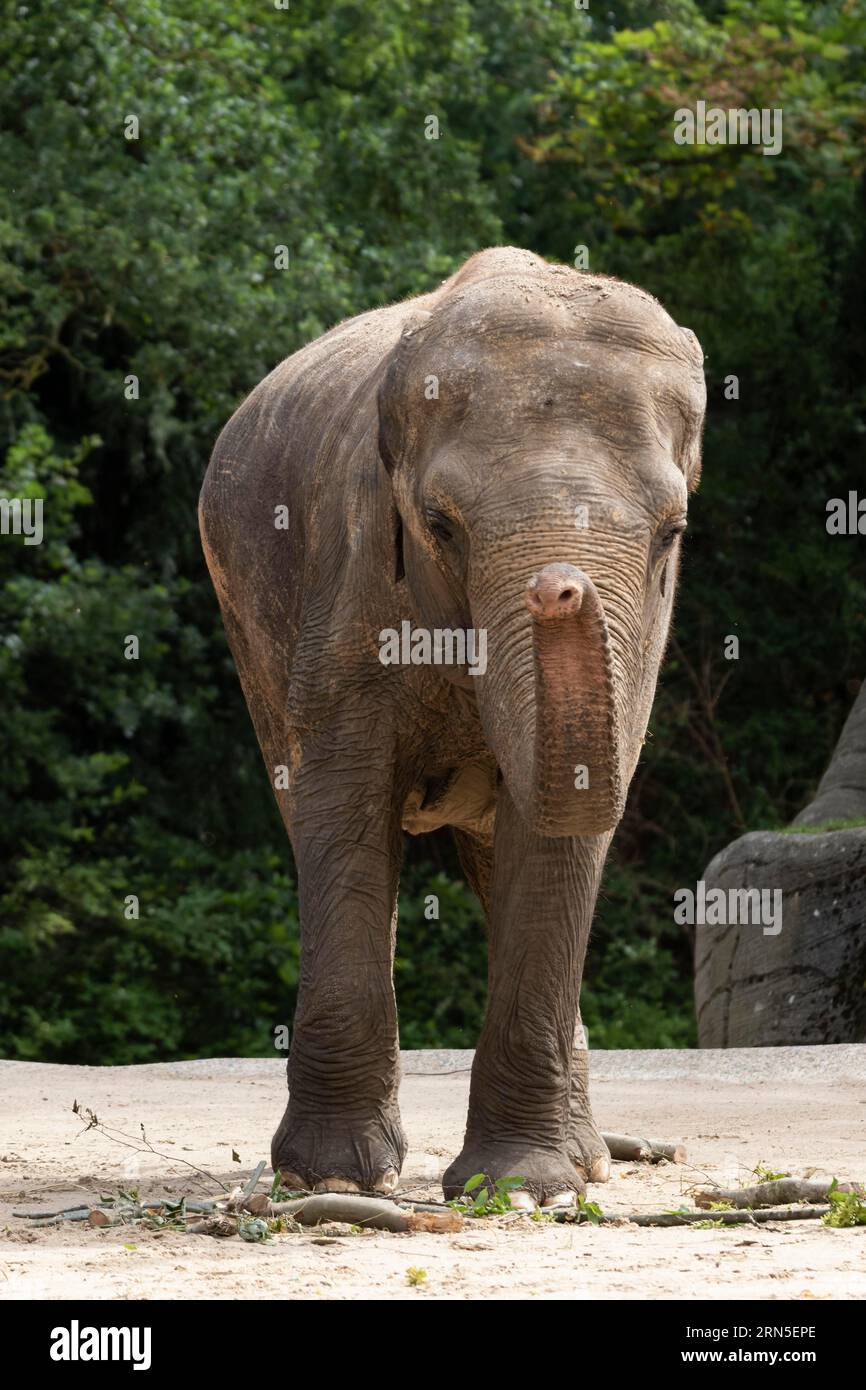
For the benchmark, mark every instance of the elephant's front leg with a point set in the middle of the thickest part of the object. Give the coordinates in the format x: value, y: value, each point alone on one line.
x: 520, y: 1104
x: 342, y: 1128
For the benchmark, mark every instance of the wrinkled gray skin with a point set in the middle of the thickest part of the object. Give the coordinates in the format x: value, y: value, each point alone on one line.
x: 556, y: 390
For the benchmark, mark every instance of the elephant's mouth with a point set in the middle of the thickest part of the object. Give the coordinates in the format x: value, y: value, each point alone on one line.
x: 560, y: 749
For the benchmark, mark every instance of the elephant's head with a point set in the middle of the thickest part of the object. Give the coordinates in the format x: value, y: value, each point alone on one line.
x: 542, y: 429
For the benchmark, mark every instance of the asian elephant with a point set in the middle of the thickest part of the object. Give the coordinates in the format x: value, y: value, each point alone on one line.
x: 510, y: 454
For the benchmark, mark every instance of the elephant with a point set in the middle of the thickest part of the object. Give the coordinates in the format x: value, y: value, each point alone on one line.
x: 510, y: 454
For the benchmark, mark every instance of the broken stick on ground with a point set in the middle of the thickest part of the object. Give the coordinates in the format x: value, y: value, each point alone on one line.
x: 779, y: 1192
x: 627, y: 1148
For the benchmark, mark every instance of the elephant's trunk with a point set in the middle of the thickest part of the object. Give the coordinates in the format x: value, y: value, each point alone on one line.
x: 559, y: 746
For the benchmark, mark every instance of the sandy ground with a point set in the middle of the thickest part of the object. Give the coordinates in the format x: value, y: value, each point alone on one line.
x: 794, y: 1109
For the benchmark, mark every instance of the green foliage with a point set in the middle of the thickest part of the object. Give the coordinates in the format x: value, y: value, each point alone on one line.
x: 823, y: 828
x: 764, y: 1174
x: 155, y: 259
x: 589, y: 1211
x: 584, y: 1212
x: 254, y: 1230
x: 481, y: 1197
x: 278, y: 1193
x: 637, y: 984
x: 440, y: 970
x: 846, y: 1208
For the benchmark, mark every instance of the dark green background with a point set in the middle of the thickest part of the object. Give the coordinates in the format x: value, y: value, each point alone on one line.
x: 261, y: 127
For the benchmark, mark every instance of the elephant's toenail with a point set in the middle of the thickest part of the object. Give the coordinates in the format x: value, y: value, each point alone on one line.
x: 523, y: 1201
x: 292, y: 1183
x: 388, y: 1181
x: 561, y: 1199
x: 600, y: 1170
x: 336, y: 1185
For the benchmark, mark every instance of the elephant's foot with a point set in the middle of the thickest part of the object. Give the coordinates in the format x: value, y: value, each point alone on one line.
x: 327, y: 1154
x: 549, y: 1176
x: 587, y: 1149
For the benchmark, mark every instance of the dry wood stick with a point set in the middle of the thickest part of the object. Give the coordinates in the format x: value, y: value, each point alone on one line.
x: 67, y: 1212
x: 634, y: 1150
x: 81, y: 1214
x: 780, y: 1191
x: 380, y: 1212
x: 75, y: 1213
x: 690, y: 1218
x: 254, y: 1180
x: 343, y: 1206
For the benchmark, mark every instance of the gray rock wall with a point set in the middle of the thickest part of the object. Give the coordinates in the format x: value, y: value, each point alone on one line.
x: 808, y: 983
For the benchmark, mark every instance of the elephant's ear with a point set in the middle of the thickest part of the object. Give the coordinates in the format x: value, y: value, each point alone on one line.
x: 691, y: 458
x: 394, y: 426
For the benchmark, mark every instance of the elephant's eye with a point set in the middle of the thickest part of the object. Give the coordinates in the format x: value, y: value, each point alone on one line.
x: 668, y: 532
x: 440, y: 524
x: 662, y: 547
